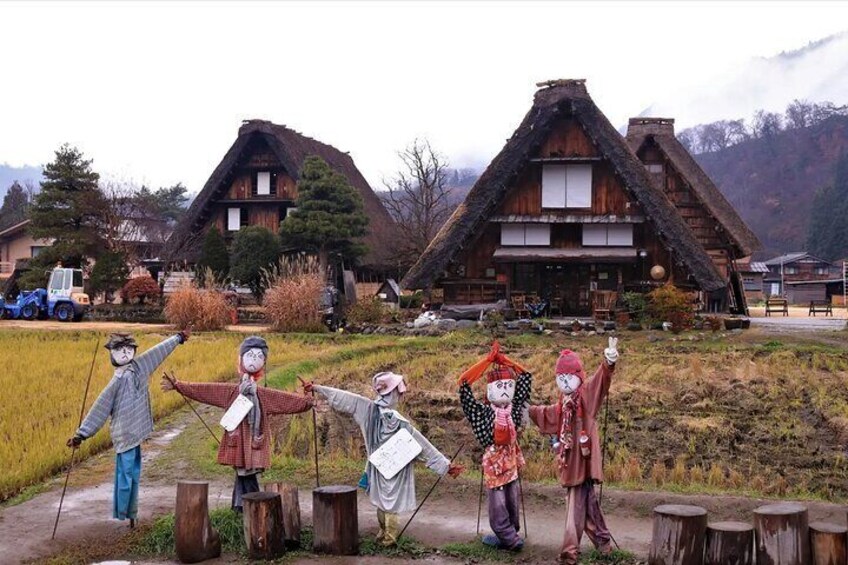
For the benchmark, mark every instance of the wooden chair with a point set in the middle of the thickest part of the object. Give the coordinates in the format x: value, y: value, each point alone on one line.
x: 519, y: 304
x: 780, y: 305
x: 603, y: 302
x: 556, y: 306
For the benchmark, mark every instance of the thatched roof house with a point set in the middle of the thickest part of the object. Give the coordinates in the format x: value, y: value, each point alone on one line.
x: 601, y: 233
x: 682, y: 179
x: 255, y: 184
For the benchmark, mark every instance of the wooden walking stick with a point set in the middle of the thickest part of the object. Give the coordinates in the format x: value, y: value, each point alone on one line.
x: 314, y: 435
x: 74, y: 450
x: 480, y: 500
x: 523, y: 511
x: 429, y: 492
x: 173, y: 382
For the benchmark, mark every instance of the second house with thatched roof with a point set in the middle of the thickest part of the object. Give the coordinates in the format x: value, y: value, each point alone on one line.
x: 566, y: 213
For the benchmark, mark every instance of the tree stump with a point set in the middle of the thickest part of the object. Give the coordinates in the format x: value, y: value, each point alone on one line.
x: 782, y: 534
x: 263, y: 525
x: 829, y: 543
x: 679, y: 534
x: 291, y: 512
x: 335, y: 525
x: 729, y: 543
x: 194, y: 538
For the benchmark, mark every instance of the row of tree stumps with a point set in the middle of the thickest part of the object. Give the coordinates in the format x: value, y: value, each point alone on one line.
x: 271, y: 522
x: 780, y: 535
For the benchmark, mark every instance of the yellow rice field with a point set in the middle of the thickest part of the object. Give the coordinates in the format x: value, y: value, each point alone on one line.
x: 43, y: 380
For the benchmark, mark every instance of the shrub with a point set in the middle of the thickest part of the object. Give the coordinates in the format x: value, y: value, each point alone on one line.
x: 214, y: 255
x: 412, y: 300
x: 254, y: 250
x: 203, y: 309
x: 669, y: 304
x: 635, y: 303
x: 140, y: 289
x: 366, y: 311
x: 109, y: 273
x: 293, y: 305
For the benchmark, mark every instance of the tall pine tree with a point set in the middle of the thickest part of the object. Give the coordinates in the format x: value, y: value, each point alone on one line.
x: 69, y: 209
x: 828, y: 227
x: 14, y: 207
x: 329, y: 217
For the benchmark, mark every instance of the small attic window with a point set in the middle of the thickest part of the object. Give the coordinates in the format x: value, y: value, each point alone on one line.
x: 567, y: 186
x: 264, y: 183
x: 654, y: 167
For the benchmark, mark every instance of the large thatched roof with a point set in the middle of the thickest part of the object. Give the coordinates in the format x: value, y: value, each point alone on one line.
x: 292, y: 149
x: 554, y: 100
x: 661, y: 130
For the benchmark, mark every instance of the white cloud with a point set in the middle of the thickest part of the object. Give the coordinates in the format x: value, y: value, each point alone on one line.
x: 156, y: 91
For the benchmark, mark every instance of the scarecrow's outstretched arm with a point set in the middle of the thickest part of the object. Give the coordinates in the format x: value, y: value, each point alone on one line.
x: 100, y: 411
x: 153, y: 357
x: 430, y: 456
x: 344, y: 401
x: 213, y: 394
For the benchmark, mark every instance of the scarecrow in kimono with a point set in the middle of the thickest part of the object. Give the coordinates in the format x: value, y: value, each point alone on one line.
x: 572, y: 420
x: 127, y: 400
x: 496, y: 424
x: 379, y: 422
x: 246, y: 446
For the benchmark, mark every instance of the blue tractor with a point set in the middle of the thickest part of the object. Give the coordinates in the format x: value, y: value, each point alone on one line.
x: 63, y: 299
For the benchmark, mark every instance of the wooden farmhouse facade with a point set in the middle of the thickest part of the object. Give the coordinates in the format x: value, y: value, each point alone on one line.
x: 568, y: 213
x: 255, y: 184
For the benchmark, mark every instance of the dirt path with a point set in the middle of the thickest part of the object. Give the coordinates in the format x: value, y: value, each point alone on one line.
x: 110, y: 326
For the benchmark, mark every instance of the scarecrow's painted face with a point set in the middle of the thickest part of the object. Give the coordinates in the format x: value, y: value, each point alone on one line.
x: 253, y: 360
x: 122, y: 355
x: 501, y: 393
x: 389, y: 400
x: 568, y: 383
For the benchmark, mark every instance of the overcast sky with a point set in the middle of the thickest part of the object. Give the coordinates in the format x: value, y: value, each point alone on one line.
x: 155, y: 92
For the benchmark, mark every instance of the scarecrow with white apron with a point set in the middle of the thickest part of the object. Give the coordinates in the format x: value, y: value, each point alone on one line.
x: 126, y: 399
x: 246, y: 445
x: 380, y: 423
x: 572, y: 420
x: 496, y: 424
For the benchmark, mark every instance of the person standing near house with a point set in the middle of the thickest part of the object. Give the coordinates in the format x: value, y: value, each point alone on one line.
x: 247, y: 448
x: 496, y: 425
x: 572, y: 420
x: 379, y: 421
x: 127, y: 400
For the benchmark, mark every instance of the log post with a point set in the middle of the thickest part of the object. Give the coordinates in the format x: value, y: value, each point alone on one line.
x: 335, y: 526
x: 783, y: 536
x: 263, y: 525
x: 679, y: 534
x: 291, y: 512
x: 829, y: 543
x: 194, y: 538
x: 729, y: 543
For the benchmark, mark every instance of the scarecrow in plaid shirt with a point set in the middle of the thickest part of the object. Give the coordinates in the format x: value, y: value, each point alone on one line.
x: 496, y: 424
x: 248, y: 447
x: 127, y: 400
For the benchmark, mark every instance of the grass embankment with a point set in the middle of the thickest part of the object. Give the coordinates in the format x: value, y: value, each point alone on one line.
x: 44, y: 380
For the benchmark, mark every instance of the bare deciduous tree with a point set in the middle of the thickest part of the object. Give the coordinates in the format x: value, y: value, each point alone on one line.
x: 418, y: 197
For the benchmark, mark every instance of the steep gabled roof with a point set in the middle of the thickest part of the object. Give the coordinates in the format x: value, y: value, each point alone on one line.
x: 791, y: 258
x: 291, y: 149
x: 554, y: 100
x: 661, y: 130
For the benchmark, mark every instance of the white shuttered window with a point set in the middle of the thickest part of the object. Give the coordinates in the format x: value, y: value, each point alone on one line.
x: 567, y: 186
x: 263, y: 183
x: 233, y: 219
x: 538, y: 235
x: 608, y: 235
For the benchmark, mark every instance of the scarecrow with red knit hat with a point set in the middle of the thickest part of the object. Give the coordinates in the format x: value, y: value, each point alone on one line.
x: 495, y: 424
x: 572, y: 420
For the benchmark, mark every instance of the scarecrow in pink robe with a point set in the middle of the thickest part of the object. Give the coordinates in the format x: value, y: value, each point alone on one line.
x: 572, y: 420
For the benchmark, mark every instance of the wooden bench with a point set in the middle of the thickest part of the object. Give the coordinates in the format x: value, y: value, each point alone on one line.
x: 820, y: 306
x: 777, y: 305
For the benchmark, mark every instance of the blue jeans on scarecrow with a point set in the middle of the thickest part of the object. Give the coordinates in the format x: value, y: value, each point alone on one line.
x: 127, y: 473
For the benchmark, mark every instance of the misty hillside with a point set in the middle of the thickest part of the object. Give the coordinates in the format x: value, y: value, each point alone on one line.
x: 816, y: 72
x: 771, y: 181
x: 9, y: 174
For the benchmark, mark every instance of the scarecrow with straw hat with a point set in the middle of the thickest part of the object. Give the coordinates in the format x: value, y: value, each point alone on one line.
x: 572, y: 420
x: 126, y: 399
x: 496, y: 424
x: 391, y: 491
x: 246, y: 445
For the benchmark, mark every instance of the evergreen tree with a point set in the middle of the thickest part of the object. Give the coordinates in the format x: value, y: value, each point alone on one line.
x: 14, y: 207
x: 110, y: 272
x: 828, y: 228
x: 214, y: 254
x: 254, y: 248
x: 329, y: 216
x: 69, y: 209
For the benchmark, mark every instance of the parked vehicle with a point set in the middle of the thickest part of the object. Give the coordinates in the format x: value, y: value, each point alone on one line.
x: 63, y: 299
